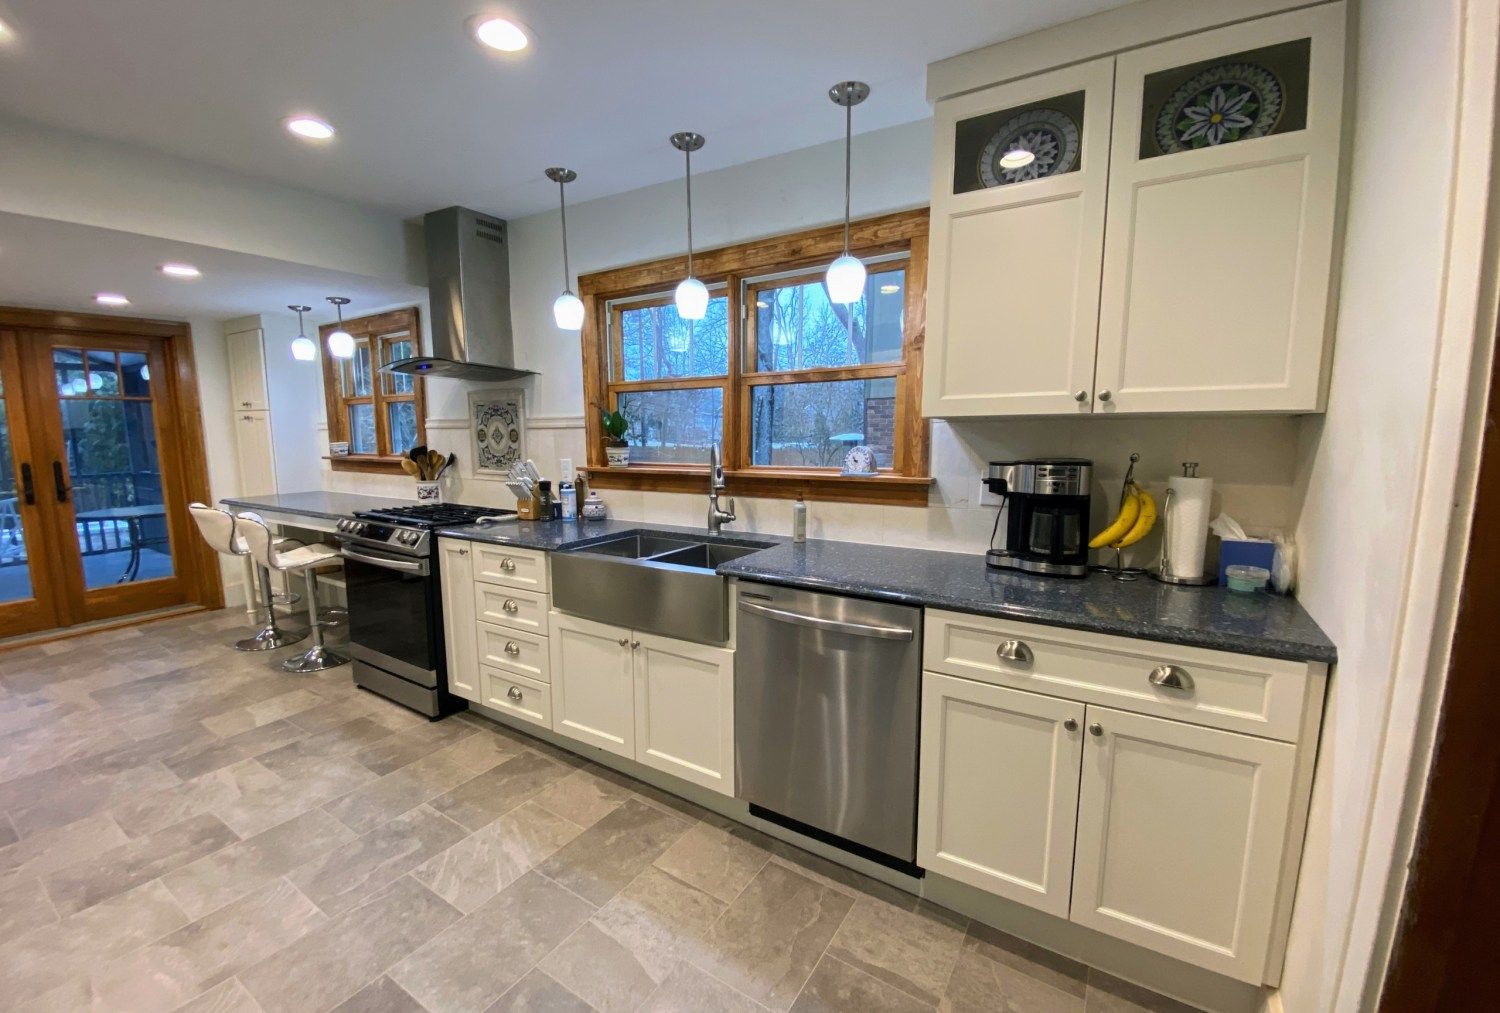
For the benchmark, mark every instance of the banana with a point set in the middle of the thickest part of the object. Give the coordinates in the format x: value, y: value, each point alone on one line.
x: 1143, y: 524
x: 1130, y: 510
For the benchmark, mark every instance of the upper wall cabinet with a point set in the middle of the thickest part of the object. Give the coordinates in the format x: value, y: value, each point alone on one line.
x: 1168, y: 246
x: 1015, y: 249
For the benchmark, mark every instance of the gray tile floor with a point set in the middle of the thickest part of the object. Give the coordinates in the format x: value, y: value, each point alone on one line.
x: 186, y: 827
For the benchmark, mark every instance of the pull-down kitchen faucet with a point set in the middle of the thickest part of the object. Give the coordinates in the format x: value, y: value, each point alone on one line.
x: 717, y: 516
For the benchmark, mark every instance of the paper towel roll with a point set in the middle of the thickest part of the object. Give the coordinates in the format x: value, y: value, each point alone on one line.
x: 1186, y: 538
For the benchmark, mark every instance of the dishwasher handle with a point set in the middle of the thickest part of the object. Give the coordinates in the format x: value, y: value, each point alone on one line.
x: 829, y: 625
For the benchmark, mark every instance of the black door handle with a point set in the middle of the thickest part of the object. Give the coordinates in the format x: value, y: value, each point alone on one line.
x: 28, y: 490
x: 57, y: 480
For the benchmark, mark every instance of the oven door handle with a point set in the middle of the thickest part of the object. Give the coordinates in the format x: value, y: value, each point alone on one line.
x: 404, y: 565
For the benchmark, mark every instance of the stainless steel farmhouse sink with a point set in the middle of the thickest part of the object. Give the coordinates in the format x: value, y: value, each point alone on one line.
x: 653, y: 581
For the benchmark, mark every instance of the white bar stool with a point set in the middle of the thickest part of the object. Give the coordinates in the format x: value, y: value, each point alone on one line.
x: 306, y: 558
x: 219, y: 531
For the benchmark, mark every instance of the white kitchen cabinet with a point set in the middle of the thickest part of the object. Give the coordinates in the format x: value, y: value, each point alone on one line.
x: 456, y: 584
x: 1218, y: 268
x: 255, y: 453
x: 593, y: 690
x: 998, y: 800
x: 684, y: 709
x: 1181, y: 832
x: 247, y: 370
x: 1013, y: 305
x: 1203, y: 283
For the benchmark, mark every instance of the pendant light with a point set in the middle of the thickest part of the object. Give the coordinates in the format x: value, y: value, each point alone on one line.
x: 340, y: 342
x: 692, y: 294
x: 846, y: 275
x: 567, y: 309
x: 303, y: 349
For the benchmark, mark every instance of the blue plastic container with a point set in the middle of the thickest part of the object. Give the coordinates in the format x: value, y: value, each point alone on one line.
x: 1233, y: 552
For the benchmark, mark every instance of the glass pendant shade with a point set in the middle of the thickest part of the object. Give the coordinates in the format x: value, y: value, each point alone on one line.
x: 846, y: 280
x: 341, y: 345
x: 567, y: 310
x: 303, y: 349
x: 692, y: 299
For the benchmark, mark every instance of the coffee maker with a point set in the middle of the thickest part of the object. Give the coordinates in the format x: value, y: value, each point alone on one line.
x: 1047, y: 515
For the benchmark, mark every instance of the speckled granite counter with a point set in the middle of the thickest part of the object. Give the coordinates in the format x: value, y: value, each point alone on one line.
x: 317, y: 503
x: 1211, y: 617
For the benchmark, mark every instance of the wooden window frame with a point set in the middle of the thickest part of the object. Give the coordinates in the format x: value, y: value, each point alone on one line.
x: 905, y: 483
x: 375, y: 331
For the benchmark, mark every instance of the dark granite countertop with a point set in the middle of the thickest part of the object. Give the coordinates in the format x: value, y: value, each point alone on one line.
x: 1264, y: 625
x: 316, y: 503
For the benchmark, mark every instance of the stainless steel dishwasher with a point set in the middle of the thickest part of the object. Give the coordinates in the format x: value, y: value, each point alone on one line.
x: 826, y: 697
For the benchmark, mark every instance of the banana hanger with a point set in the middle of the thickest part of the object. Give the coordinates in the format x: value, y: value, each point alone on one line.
x: 1120, y: 571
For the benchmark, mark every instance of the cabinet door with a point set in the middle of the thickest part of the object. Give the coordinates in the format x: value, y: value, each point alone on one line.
x: 460, y: 629
x: 684, y: 710
x: 1014, y: 258
x: 1223, y: 179
x: 593, y: 697
x: 999, y: 789
x: 247, y: 371
x: 255, y: 453
x: 1181, y: 831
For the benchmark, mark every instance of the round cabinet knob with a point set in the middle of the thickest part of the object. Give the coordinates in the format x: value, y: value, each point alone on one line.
x: 513, y: 693
x: 508, y: 565
x: 1081, y: 396
x: 1096, y: 729
x: 512, y: 648
x: 624, y: 641
x: 1105, y: 395
x: 511, y: 606
x: 1071, y: 724
x: 463, y: 552
x: 634, y: 644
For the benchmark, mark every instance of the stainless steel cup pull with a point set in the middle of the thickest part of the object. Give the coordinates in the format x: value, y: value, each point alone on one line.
x: 1172, y: 677
x: 1015, y: 650
x: 508, y: 565
x: 513, y: 693
x: 511, y: 606
x: 512, y: 648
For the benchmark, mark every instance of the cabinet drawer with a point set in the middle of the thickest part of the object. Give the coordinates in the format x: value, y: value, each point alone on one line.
x: 500, y: 564
x: 1259, y: 696
x: 516, y: 652
x: 518, y: 696
x: 511, y: 607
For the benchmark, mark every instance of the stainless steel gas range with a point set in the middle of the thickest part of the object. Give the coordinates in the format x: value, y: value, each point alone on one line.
x: 395, y: 608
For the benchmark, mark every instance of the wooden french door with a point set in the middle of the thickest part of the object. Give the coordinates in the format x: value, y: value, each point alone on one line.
x: 96, y: 470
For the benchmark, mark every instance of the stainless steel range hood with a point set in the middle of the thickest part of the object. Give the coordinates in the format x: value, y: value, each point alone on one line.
x: 468, y: 281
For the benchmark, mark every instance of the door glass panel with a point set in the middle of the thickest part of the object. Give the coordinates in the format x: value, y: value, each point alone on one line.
x: 361, y: 429
x: 67, y: 370
x: 104, y: 373
x: 119, y: 517
x: 1231, y: 98
x: 401, y: 420
x: 15, y: 570
x: 813, y: 425
x: 1019, y: 143
x: 796, y: 327
x: 135, y: 374
x: 673, y: 426
x: 398, y: 347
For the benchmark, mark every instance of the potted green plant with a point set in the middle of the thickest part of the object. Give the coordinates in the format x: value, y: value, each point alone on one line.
x: 615, y: 427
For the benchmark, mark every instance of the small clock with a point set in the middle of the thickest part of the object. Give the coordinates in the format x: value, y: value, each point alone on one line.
x: 859, y: 461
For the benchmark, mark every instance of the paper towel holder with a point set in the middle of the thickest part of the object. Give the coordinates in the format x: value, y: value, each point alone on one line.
x: 1163, y: 571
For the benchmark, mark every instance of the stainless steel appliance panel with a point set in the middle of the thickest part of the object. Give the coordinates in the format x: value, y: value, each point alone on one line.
x: 827, y: 692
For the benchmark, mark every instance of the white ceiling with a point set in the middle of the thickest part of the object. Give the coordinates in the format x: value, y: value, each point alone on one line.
x: 427, y: 119
x: 60, y: 265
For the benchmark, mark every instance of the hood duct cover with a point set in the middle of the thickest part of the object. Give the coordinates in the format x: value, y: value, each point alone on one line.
x: 468, y: 282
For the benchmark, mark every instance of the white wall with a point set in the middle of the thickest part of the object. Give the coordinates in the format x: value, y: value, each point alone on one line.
x: 210, y: 361
x: 1360, y: 462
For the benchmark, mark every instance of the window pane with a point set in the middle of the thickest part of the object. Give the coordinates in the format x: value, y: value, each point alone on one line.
x: 813, y: 425
x: 104, y: 374
x: 67, y: 370
x: 361, y: 429
x: 1050, y: 131
x: 656, y: 343
x: 673, y: 426
x: 401, y: 420
x: 357, y: 371
x: 136, y: 374
x: 1232, y: 98
x: 397, y: 348
x: 15, y: 568
x: 796, y: 327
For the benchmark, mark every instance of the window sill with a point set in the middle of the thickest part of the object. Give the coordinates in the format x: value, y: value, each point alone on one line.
x: 770, y: 483
x: 367, y: 463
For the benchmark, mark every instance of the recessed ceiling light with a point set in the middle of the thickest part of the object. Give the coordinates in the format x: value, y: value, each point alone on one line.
x: 111, y: 299
x: 309, y: 127
x: 1017, y: 158
x: 174, y: 270
x: 5, y: 33
x: 501, y: 33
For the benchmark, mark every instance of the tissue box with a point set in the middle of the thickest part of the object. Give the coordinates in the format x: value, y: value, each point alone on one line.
x: 1245, y: 552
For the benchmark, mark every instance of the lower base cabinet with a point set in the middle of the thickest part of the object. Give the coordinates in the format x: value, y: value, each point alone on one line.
x: 668, y: 704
